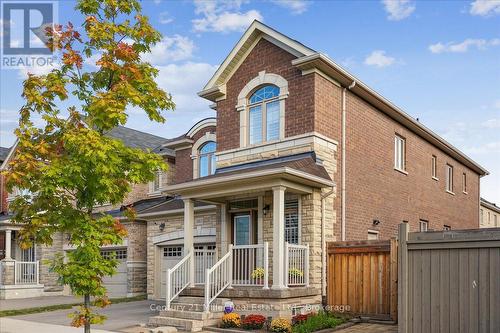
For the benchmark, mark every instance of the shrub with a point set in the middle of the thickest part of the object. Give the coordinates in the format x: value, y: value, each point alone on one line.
x: 297, y: 319
x: 253, y: 322
x: 281, y: 325
x: 316, y: 322
x: 230, y: 320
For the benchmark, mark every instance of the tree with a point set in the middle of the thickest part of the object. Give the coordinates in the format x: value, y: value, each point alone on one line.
x: 68, y: 165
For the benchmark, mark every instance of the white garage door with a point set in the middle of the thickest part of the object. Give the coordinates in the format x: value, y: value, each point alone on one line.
x: 117, y: 284
x: 171, y: 255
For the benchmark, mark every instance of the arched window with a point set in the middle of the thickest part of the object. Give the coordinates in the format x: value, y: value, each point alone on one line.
x: 207, y: 159
x: 264, y: 115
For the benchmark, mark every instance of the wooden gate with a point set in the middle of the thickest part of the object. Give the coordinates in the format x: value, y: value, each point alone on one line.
x: 362, y: 278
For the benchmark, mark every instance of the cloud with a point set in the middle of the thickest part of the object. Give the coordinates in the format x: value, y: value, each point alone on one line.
x: 295, y: 6
x: 223, y: 16
x: 486, y: 148
x: 165, y: 18
x: 452, y: 47
x: 175, y: 48
x: 379, y: 59
x: 37, y: 69
x: 485, y: 7
x: 492, y: 123
x: 398, y: 9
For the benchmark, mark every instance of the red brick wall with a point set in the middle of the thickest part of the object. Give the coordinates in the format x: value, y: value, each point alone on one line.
x: 299, y: 105
x: 3, y: 194
x: 376, y: 191
x: 183, y: 160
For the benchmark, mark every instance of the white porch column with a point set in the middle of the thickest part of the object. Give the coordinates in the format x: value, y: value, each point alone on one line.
x: 278, y: 237
x: 260, y: 219
x: 224, y: 239
x: 188, y: 234
x: 8, y: 244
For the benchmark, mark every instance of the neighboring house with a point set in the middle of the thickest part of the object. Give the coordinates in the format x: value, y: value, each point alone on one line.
x: 489, y: 214
x: 23, y: 272
x: 305, y: 154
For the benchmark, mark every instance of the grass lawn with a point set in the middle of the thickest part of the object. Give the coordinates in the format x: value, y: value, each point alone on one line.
x: 18, y: 312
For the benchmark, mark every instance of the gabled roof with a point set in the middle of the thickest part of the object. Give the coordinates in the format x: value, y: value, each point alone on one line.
x: 185, y: 139
x: 308, y: 59
x: 490, y: 205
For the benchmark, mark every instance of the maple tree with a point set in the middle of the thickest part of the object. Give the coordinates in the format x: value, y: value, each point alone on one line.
x: 68, y: 165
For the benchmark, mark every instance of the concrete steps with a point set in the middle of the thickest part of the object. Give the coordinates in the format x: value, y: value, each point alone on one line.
x: 187, y: 313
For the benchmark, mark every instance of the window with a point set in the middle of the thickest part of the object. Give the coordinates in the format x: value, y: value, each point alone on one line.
x: 372, y: 235
x: 434, y: 167
x: 446, y: 227
x: 423, y: 226
x: 207, y: 159
x: 496, y: 221
x: 264, y: 115
x: 172, y: 251
x: 292, y: 221
x: 464, y: 183
x: 399, y: 153
x: 157, y: 181
x: 489, y: 218
x: 449, y: 178
x: 116, y: 254
x: 481, y: 216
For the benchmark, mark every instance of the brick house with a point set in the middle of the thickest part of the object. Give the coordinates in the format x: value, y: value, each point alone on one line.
x: 489, y: 214
x: 23, y: 273
x: 300, y: 153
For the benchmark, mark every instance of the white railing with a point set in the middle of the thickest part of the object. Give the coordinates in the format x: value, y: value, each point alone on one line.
x: 296, y: 264
x: 203, y: 259
x: 251, y: 265
x: 178, y: 278
x: 26, y: 272
x: 218, y: 277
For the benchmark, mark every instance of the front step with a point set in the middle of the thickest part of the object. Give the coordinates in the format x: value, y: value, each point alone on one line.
x: 187, y: 313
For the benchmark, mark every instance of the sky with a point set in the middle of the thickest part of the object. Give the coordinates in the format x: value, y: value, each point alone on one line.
x: 437, y: 60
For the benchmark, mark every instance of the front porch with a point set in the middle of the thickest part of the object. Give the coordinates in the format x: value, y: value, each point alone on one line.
x: 19, y: 269
x: 269, y: 236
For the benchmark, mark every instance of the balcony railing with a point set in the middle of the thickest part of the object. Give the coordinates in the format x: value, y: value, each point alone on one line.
x: 296, y: 265
x: 178, y: 278
x: 26, y: 272
x: 250, y: 265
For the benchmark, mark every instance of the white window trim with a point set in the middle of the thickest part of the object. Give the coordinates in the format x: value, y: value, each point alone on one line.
x: 152, y: 190
x: 464, y: 183
x: 421, y: 223
x: 195, y: 152
x: 434, y: 168
x: 243, y: 106
x: 397, y: 139
x: 373, y: 232
x: 449, y: 184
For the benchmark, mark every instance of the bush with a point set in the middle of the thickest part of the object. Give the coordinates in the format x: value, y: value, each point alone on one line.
x: 253, y: 322
x: 230, y: 320
x: 316, y: 322
x: 297, y: 319
x: 281, y: 325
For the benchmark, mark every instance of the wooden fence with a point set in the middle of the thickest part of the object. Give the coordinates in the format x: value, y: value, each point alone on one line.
x: 362, y: 278
x: 449, y: 281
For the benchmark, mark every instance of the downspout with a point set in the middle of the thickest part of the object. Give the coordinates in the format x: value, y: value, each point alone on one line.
x: 343, y: 168
x: 323, y: 244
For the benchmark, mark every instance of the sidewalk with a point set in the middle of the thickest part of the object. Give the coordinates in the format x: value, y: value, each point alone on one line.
x: 8, y: 325
x: 15, y: 304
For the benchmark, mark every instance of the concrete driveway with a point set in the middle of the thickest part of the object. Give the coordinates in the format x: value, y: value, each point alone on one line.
x: 120, y: 316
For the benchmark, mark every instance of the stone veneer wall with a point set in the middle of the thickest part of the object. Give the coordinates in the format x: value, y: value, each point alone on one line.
x: 173, y: 223
x: 136, y: 258
x: 43, y: 253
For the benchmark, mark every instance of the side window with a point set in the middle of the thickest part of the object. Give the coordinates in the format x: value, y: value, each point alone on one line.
x: 449, y: 178
x: 399, y: 153
x: 423, y: 226
x: 207, y: 159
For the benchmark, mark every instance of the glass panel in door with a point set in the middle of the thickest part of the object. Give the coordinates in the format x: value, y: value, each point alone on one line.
x: 242, y: 230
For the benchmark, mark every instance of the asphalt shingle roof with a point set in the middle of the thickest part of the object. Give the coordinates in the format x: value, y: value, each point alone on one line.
x: 3, y: 153
x: 137, y: 139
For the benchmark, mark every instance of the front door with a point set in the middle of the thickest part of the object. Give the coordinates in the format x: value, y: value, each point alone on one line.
x: 242, y: 229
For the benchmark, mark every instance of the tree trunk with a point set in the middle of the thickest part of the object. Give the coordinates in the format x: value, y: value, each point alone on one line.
x: 87, y: 319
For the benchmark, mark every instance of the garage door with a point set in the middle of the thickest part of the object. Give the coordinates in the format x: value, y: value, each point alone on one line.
x: 117, y: 284
x: 171, y: 255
